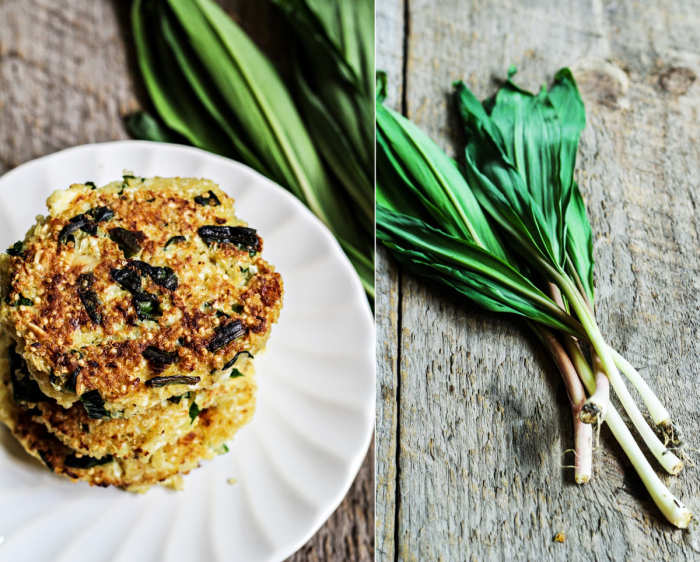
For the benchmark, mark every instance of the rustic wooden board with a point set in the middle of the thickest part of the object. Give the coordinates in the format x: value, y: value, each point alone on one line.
x: 387, y: 291
x: 390, y: 51
x: 483, y: 420
x: 68, y: 77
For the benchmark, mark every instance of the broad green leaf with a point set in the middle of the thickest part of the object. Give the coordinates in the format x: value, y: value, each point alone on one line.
x: 363, y: 265
x: 252, y: 87
x: 204, y: 88
x: 255, y: 91
x: 469, y: 269
x: 174, y: 100
x: 580, y: 242
x: 535, y: 136
x: 143, y: 126
x: 428, y: 214
x: 499, y: 187
x: 353, y: 109
x: 568, y: 104
x: 335, y: 56
x: 396, y: 191
x: 531, y: 131
x: 381, y: 86
x: 345, y: 26
x: 572, y: 116
x: 329, y: 136
x: 422, y: 171
x: 364, y: 15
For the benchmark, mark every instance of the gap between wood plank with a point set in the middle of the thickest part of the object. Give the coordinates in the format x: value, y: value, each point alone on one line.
x: 399, y: 285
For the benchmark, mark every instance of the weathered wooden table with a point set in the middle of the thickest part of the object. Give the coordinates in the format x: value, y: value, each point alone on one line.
x: 67, y: 77
x: 473, y: 420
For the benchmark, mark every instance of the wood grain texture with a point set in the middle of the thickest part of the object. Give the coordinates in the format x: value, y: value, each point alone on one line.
x: 390, y: 59
x: 390, y: 31
x: 68, y: 77
x: 483, y: 419
x: 387, y: 304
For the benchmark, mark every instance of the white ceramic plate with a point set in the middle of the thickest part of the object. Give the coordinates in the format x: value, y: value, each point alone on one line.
x: 293, y: 463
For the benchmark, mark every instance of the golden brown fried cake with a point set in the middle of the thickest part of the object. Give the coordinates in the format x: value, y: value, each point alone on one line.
x: 129, y: 294
x: 206, y: 439
x: 139, y: 436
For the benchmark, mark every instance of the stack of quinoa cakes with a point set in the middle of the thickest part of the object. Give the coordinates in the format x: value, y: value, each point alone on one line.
x: 129, y: 320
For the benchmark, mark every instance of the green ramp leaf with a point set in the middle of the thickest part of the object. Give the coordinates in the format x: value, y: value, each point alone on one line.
x: 417, y: 178
x: 469, y: 269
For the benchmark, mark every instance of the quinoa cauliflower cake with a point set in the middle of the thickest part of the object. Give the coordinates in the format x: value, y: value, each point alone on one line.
x: 129, y: 320
x: 139, y: 436
x: 136, y: 292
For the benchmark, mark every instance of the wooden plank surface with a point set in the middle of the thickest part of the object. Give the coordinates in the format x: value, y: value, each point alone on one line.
x: 68, y: 77
x: 390, y: 51
x: 483, y: 419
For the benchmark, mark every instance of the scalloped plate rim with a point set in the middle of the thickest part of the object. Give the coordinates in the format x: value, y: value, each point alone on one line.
x: 285, y: 550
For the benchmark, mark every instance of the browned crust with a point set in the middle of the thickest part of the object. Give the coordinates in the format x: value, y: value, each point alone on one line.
x: 217, y: 425
x: 113, y: 364
x: 138, y: 436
